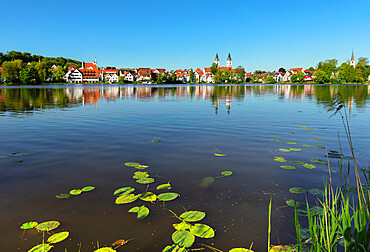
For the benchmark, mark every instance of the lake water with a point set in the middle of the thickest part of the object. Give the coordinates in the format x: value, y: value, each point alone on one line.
x: 82, y: 135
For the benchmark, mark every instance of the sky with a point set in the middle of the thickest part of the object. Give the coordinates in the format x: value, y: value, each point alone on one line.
x: 261, y: 34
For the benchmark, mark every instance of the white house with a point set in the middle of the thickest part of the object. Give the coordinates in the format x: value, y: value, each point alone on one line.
x: 74, y: 76
x: 127, y: 76
x: 278, y: 77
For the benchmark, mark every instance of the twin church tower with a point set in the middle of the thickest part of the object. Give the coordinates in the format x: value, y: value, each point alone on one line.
x: 229, y: 62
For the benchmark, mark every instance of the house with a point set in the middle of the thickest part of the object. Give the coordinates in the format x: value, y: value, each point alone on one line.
x: 199, y: 75
x: 143, y: 74
x: 286, y: 76
x: 128, y: 76
x: 296, y: 70
x: 278, y: 76
x: 88, y: 73
x: 109, y: 74
x: 308, y: 78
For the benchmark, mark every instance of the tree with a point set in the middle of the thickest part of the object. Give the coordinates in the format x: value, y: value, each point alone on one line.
x: 42, y: 70
x: 328, y: 66
x: 359, y: 75
x: 240, y: 74
x: 214, y: 68
x: 321, y: 77
x: 12, y: 71
x: 361, y: 72
x: 347, y: 73
x: 58, y: 73
x: 191, y: 75
x: 297, y: 78
x: 270, y: 80
x: 255, y: 78
x: 29, y: 75
x: 311, y: 69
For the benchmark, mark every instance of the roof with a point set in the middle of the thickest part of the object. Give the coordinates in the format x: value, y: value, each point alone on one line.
x: 92, y: 65
x: 225, y: 68
x: 109, y: 71
x: 89, y: 73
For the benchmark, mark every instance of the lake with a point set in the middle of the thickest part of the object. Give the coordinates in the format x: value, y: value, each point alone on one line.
x: 76, y: 136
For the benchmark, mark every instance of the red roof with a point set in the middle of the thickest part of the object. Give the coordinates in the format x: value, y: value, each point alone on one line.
x: 71, y: 66
x: 225, y: 68
x: 92, y: 65
x: 109, y: 71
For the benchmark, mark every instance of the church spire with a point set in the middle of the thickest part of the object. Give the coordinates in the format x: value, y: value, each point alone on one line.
x: 353, y: 63
x: 229, y: 62
x: 217, y: 60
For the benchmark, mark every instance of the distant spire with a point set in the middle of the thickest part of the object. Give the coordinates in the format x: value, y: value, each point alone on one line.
x: 217, y: 59
x: 229, y: 57
x: 353, y: 57
x: 353, y: 63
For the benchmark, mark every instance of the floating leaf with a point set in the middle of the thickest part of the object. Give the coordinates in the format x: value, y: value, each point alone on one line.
x: 292, y: 133
x: 318, y: 146
x: 297, y: 190
x: 241, y: 250
x: 47, y: 226
x: 181, y: 226
x: 305, y: 128
x: 58, y: 237
x: 302, y: 212
x: 145, y: 181
x: 291, y: 143
x: 19, y: 154
x: 281, y: 248
x: 16, y: 161
x: 207, y: 181
x: 141, y: 167
x: 317, y: 139
x: 316, y: 210
x: 75, y: 192
x: 148, y: 196
x: 305, y: 145
x: 275, y: 139
x: 309, y: 166
x: 220, y: 155
x: 317, y: 192
x: 29, y: 225
x: 156, y: 140
x: 305, y: 233
x: 142, y: 212
x: 140, y: 175
x: 227, y: 173
x: 174, y: 248
x: 88, y: 188
x: 63, y: 196
x: 280, y: 159
x: 132, y: 164
x: 322, y: 163
x: 124, y: 190
x: 105, y: 249
x: 3, y: 156
x: 183, y: 238
x: 294, y: 149
x: 167, y: 196
x: 284, y: 150
x: 202, y: 231
x: 119, y: 242
x: 192, y: 216
x: 291, y: 203
x: 314, y: 160
x: 288, y: 167
x: 296, y: 162
x: 41, y: 248
x: 126, y: 198
x: 164, y: 186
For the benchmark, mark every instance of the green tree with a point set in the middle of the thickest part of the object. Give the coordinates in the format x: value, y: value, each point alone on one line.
x: 59, y: 72
x: 12, y: 71
x: 42, y: 70
x: 347, y: 73
x: 328, y: 66
x: 214, y: 68
x: 297, y: 78
x: 270, y: 80
x: 240, y: 74
x: 311, y: 69
x: 321, y: 77
x: 255, y: 78
x: 29, y: 75
x: 359, y: 75
x: 191, y: 75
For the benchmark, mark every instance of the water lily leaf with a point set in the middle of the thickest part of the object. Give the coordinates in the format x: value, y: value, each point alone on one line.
x: 318, y: 146
x: 58, y: 237
x: 3, y: 156
x: 192, y: 216
x: 119, y: 242
x: 142, y: 212
x: 288, y: 167
x: 322, y: 163
x: 88, y: 188
x: 174, y: 248
x: 131, y: 164
x: 140, y: 175
x: 220, y: 155
x: 148, y: 196
x: 123, y: 190
x: 208, y: 180
x: 292, y: 133
x: 296, y: 162
x: 317, y: 192
x: 47, y: 226
x: 19, y: 154
x: 202, y: 231
x: 183, y: 238
x: 291, y: 143
x: 306, y: 145
x: 29, y: 225
x: 315, y: 160
x: 156, y: 140
x: 304, y: 128
x: 241, y: 250
x: 316, y: 210
x: 305, y: 233
x: 317, y: 139
x: 75, y: 192
x: 281, y: 248
x: 280, y: 159
x: 284, y: 150
x: 164, y: 186
x: 301, y: 212
x: 181, y: 226
x: 167, y: 196
x: 227, y: 173
x: 126, y: 198
x: 297, y: 190
x: 309, y: 166
x: 291, y: 203
x: 145, y: 181
x: 141, y: 167
x: 41, y: 248
x: 105, y: 249
x: 294, y: 149
x: 63, y: 196
x: 16, y: 161
x: 275, y: 139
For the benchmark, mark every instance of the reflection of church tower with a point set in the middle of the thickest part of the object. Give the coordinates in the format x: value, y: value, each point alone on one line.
x: 228, y: 104
x: 217, y: 60
x: 229, y: 62
x: 352, y: 63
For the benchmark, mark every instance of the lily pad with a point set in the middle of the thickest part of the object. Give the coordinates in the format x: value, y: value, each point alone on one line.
x: 315, y: 160
x: 88, y: 188
x: 279, y: 248
x: 301, y: 212
x: 297, y: 190
x: 275, y: 139
x: 317, y: 139
x: 167, y: 196
x: 202, y: 231
x: 192, y: 216
x: 309, y: 166
x: 19, y: 154
x: 58, y: 237
x: 183, y: 238
x: 148, y: 196
x: 318, y: 146
x: 164, y: 186
x: 240, y: 250
x: 304, y: 128
x: 306, y: 145
x: 316, y: 210
x: 291, y: 203
x: 284, y: 150
x: 142, y: 212
x: 227, y: 173
x: 295, y: 149
x: 3, y: 156
x: 141, y: 167
x: 145, y: 181
x: 47, y: 226
x: 288, y: 167
x: 75, y: 192
x: 280, y: 159
x: 296, y: 162
x: 140, y: 175
x: 316, y: 192
x: 174, y: 248
x: 126, y: 198
x: 41, y: 248
x: 123, y: 190
x: 16, y: 161
x: 305, y: 233
x: 322, y: 163
x: 181, y: 226
x: 63, y: 196
x: 29, y: 225
x: 220, y: 155
x: 156, y: 140
x: 291, y: 143
x: 105, y: 249
x: 131, y: 164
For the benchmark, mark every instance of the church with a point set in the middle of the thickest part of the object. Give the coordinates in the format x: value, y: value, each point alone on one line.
x: 229, y: 63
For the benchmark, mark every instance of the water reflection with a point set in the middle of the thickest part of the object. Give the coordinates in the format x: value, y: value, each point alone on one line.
x: 21, y: 100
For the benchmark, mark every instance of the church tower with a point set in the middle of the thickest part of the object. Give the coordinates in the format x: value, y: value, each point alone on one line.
x: 229, y: 62
x: 217, y: 60
x: 353, y: 63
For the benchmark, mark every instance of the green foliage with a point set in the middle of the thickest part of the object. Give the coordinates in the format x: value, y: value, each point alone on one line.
x: 240, y: 74
x: 12, y: 71
x: 214, y: 69
x: 142, y: 212
x: 328, y: 66
x: 297, y: 78
x: 29, y: 75
x: 347, y: 73
x: 270, y: 80
x: 321, y: 77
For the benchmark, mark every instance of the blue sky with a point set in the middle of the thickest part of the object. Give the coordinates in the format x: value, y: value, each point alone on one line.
x: 187, y: 34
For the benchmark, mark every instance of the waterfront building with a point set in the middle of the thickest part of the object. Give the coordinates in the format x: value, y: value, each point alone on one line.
x: 88, y: 73
x: 353, y: 63
x: 128, y: 75
x: 217, y: 60
x: 229, y: 62
x: 109, y: 74
x: 143, y: 74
